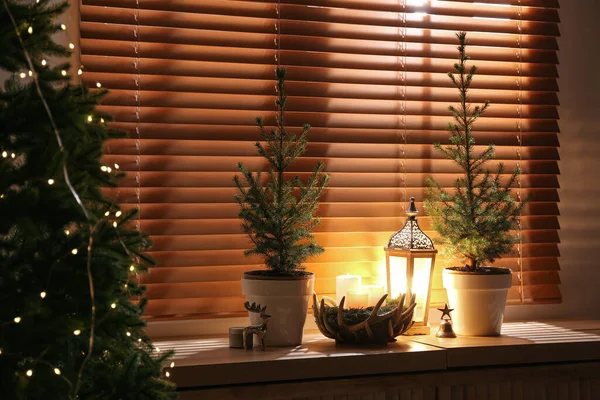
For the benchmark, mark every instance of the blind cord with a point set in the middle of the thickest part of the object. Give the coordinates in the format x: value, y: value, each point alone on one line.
x: 520, y: 142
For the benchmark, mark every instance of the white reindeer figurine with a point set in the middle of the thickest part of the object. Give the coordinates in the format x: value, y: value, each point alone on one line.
x: 261, y: 329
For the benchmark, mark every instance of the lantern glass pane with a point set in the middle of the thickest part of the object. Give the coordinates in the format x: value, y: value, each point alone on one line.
x: 397, y: 276
x: 420, y: 286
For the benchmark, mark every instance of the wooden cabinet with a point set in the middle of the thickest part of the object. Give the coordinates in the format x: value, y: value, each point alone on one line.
x: 573, y: 381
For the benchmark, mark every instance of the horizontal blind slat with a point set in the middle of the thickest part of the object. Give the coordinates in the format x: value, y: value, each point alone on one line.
x: 225, y: 195
x: 328, y: 224
x: 312, y: 74
x: 204, y: 86
x: 208, y: 211
x: 168, y: 52
x: 326, y: 239
x: 326, y: 135
x: 225, y: 148
x: 382, y: 35
x: 331, y: 254
x: 237, y: 15
x: 337, y: 179
x: 261, y: 7
x: 325, y: 120
x: 310, y: 104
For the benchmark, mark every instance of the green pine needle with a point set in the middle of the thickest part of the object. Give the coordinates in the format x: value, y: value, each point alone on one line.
x: 44, y: 235
x: 477, y: 219
x: 278, y: 210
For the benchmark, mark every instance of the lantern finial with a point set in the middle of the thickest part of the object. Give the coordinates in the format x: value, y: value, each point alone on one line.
x: 412, y: 209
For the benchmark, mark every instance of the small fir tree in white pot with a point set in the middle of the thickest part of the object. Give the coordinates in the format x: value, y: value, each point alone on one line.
x: 278, y: 214
x: 476, y: 220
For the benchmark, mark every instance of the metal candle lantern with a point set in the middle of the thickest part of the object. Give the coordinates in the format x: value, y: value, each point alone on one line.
x: 410, y: 259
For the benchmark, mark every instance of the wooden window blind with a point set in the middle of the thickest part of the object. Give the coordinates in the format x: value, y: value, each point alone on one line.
x: 188, y: 78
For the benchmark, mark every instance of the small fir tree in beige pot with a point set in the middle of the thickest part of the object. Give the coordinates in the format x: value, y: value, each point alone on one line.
x: 476, y: 220
x: 278, y: 214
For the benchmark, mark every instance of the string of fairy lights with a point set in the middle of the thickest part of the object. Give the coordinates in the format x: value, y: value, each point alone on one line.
x: 31, y: 73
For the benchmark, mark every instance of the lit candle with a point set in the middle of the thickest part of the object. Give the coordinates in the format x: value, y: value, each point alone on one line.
x: 375, y: 293
x: 344, y: 284
x: 356, y: 300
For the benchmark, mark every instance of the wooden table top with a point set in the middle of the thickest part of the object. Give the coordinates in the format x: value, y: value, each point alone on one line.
x: 208, y: 361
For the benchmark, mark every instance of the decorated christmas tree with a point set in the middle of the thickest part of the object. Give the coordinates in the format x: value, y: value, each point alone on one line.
x: 278, y: 211
x: 475, y: 221
x: 70, y: 305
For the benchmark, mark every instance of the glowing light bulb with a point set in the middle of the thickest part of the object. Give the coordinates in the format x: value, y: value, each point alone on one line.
x: 106, y: 214
x: 29, y: 372
x: 30, y: 73
x: 167, y: 374
x: 103, y: 168
x: 76, y: 332
x: 0, y: 351
x: 140, y: 340
x: 118, y: 214
x: 17, y: 320
x: 22, y: 75
x: 117, y: 166
x: 132, y: 268
x: 44, y: 62
x: 172, y: 364
x: 50, y: 181
x: 12, y: 155
x: 57, y: 371
x: 63, y: 27
x: 74, y: 251
x: 79, y: 71
x: 71, y: 46
x: 67, y: 232
x: 43, y: 295
x: 115, y: 224
x: 128, y: 333
x: 30, y: 30
x: 90, y: 118
x: 98, y: 85
x: 157, y: 350
x: 113, y: 305
x: 4, y: 154
x: 63, y: 72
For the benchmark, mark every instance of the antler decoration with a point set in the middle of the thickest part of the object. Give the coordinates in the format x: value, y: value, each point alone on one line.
x: 375, y: 329
x: 260, y: 329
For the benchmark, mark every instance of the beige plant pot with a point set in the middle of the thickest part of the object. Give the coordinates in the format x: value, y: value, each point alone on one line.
x: 286, y: 299
x: 478, y: 300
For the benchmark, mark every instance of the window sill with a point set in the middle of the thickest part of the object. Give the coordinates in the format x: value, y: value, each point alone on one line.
x: 205, y: 362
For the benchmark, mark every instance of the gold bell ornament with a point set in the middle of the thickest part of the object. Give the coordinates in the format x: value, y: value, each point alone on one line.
x: 445, y: 330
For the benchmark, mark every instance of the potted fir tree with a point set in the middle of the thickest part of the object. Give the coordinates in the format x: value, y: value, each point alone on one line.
x: 278, y: 215
x: 475, y: 220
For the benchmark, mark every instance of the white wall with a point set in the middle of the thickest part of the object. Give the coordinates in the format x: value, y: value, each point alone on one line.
x: 579, y: 166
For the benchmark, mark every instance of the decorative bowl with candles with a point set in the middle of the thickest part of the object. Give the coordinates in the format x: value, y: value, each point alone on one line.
x: 379, y: 324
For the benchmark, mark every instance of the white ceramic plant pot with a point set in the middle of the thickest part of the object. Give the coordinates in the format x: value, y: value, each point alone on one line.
x: 287, y: 303
x: 478, y: 301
